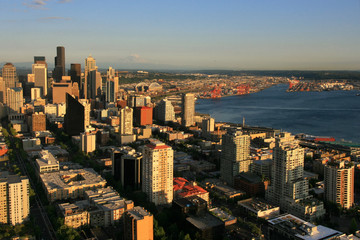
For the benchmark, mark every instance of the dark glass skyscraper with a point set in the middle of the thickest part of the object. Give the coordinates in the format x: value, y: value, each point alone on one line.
x: 74, y: 117
x: 59, y: 70
x: 75, y: 73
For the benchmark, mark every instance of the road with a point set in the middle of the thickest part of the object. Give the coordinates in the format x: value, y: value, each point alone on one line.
x: 37, y: 211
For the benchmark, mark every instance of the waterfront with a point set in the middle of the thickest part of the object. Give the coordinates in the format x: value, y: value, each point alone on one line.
x: 328, y: 113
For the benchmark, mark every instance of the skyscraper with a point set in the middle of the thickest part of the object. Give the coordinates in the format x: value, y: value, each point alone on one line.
x: 94, y: 84
x: 165, y: 111
x: 188, y: 109
x: 9, y: 75
x: 90, y: 65
x: 339, y: 183
x: 77, y: 116
x: 112, y: 85
x: 14, y: 199
x: 208, y: 126
x: 88, y: 142
x: 235, y: 154
x: 2, y: 90
x: 126, y: 120
x: 288, y: 187
x: 40, y: 76
x: 14, y: 100
x: 157, y: 177
x: 59, y: 70
x: 75, y: 73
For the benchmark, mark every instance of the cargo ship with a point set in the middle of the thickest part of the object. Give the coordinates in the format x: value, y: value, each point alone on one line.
x: 319, y: 138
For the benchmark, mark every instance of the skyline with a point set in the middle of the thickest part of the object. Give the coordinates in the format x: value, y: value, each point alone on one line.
x: 236, y: 35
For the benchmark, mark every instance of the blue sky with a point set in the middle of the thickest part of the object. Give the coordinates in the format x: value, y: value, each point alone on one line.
x: 196, y: 34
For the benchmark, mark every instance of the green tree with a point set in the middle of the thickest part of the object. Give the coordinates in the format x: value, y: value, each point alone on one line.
x: 353, y: 226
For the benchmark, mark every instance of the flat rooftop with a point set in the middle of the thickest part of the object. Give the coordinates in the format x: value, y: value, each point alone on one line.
x: 71, y: 178
x: 204, y: 222
x: 256, y: 205
x: 302, y: 229
x: 138, y: 213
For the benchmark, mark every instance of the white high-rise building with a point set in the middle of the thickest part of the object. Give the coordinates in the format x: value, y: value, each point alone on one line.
x: 90, y: 65
x: 126, y: 120
x: 339, y: 183
x: 14, y: 199
x: 208, y: 126
x: 87, y: 109
x: 15, y: 99
x: 40, y: 76
x: 35, y: 93
x: 88, y: 142
x: 165, y: 111
x: 288, y: 187
x: 235, y: 154
x: 157, y: 169
x: 188, y: 109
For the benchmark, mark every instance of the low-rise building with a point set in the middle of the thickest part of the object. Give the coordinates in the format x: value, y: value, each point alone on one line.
x: 70, y: 184
x: 111, y: 206
x: 183, y: 188
x: 290, y: 227
x: 46, y: 162
x: 259, y: 207
x: 75, y: 214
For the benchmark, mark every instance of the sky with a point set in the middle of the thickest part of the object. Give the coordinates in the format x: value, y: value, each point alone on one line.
x: 185, y: 34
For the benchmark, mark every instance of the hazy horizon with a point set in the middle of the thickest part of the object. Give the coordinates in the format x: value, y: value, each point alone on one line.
x: 186, y: 35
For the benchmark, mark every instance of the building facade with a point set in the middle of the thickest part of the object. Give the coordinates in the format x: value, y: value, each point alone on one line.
x: 138, y: 224
x: 339, y: 183
x: 14, y: 199
x: 188, y: 109
x: 235, y: 155
x: 157, y: 168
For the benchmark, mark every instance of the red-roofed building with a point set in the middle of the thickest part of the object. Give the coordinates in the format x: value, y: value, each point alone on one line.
x: 183, y: 189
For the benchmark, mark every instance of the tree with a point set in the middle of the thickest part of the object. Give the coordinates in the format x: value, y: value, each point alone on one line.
x: 353, y: 226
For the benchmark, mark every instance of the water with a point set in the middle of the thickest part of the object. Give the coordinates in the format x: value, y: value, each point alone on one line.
x: 335, y: 113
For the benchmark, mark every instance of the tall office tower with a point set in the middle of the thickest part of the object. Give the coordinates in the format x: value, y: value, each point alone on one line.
x: 138, y: 224
x: 112, y: 85
x: 14, y: 100
x: 288, y: 187
x: 35, y: 93
x: 94, y: 84
x: 39, y: 59
x: 14, y: 199
x: 90, y: 65
x: 88, y: 142
x: 165, y: 111
x: 77, y: 116
x: 2, y: 90
x: 38, y: 122
x: 208, y: 126
x: 110, y: 73
x: 339, y: 183
x: 40, y: 77
x: 75, y: 73
x: 126, y: 120
x: 9, y: 75
x: 235, y: 154
x: 188, y: 109
x: 157, y: 172
x: 59, y: 70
